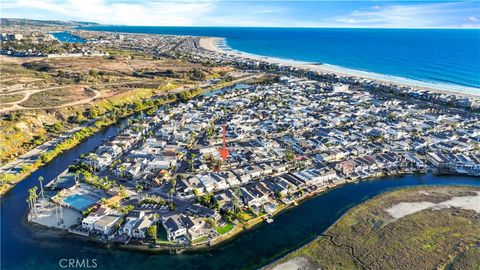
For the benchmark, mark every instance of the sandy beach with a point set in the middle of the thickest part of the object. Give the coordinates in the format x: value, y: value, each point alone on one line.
x: 219, y: 45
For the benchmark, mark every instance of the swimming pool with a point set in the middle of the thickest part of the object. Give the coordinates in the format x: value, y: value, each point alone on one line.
x: 80, y: 202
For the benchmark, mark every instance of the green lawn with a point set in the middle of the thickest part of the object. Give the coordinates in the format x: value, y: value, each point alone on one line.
x: 161, y: 234
x: 224, y: 229
x: 200, y: 239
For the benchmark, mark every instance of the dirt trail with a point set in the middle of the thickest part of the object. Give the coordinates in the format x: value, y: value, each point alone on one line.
x: 15, y: 105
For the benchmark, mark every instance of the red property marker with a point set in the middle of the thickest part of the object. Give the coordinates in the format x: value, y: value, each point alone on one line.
x: 224, y: 150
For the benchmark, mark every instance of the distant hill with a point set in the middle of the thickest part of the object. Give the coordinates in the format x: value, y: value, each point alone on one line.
x: 27, y: 22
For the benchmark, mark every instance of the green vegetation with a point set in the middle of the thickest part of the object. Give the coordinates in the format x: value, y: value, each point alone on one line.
x: 162, y: 238
x: 368, y: 237
x: 469, y: 259
x: 244, y: 216
x: 152, y: 200
x: 151, y: 232
x: 126, y: 209
x: 200, y: 240
x: 100, y: 182
x: 208, y: 201
x: 67, y: 144
x: 186, y: 95
x: 224, y: 229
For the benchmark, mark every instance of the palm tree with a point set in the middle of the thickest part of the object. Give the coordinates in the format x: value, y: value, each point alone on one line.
x: 190, y: 161
x: 77, y: 176
x: 32, y: 197
x: 29, y: 207
x: 237, y: 194
x: 122, y: 191
x: 40, y: 179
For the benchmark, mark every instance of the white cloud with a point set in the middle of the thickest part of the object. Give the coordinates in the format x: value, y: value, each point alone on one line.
x: 436, y: 15
x: 169, y: 13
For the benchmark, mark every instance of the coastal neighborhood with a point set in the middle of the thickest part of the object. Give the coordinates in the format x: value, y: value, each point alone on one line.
x: 222, y: 159
x: 161, y: 181
x: 271, y: 135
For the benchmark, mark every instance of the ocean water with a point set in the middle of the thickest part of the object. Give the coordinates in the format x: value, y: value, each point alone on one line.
x: 445, y: 57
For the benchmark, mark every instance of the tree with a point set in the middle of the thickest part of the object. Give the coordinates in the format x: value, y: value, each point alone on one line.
x: 289, y: 153
x: 139, y: 188
x: 93, y: 73
x: 32, y: 198
x: 151, y: 232
x: 125, y: 210
x: 191, y: 160
x: 174, y: 184
x: 122, y: 191
x: 211, y: 222
x: 92, y: 113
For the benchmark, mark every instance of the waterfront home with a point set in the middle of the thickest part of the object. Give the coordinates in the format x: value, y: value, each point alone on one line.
x: 98, y: 162
x: 107, y: 224
x: 256, y: 194
x: 197, y: 228
x: 131, y: 219
x: 103, y: 220
x: 88, y: 221
x: 175, y: 228
x: 315, y: 177
x: 144, y: 222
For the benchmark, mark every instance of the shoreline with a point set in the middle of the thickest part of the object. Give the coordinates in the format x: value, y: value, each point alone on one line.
x: 239, y: 229
x: 219, y: 45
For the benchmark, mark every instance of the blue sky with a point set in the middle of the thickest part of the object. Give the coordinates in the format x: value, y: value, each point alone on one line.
x: 377, y: 14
